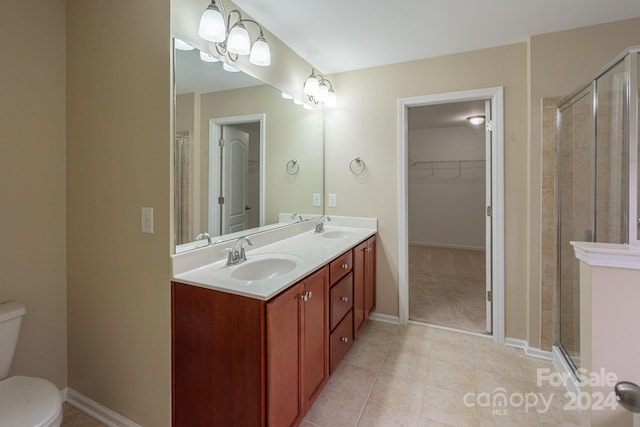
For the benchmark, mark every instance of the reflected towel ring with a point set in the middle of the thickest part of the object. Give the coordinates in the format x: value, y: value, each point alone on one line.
x: 293, y: 167
x: 357, y: 166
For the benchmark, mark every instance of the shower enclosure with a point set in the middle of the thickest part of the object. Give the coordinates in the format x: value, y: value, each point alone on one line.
x: 597, y: 180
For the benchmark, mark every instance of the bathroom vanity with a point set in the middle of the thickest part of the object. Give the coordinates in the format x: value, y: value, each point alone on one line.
x: 258, y: 352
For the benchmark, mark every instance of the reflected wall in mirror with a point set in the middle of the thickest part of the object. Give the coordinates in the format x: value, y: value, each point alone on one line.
x: 269, y: 163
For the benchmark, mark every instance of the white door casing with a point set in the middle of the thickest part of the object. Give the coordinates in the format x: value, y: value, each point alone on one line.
x: 496, y: 162
x: 488, y: 223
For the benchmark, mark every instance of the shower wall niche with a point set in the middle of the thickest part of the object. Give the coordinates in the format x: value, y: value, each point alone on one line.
x: 597, y: 181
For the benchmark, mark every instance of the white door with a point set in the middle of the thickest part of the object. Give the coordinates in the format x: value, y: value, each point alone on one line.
x: 488, y: 224
x: 235, y: 179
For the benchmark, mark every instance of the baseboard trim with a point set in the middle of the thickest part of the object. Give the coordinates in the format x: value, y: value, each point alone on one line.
x: 96, y: 410
x: 385, y: 318
x: 529, y: 351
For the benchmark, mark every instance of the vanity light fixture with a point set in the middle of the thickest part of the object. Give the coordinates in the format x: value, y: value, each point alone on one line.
x: 232, y: 40
x: 207, y: 57
x: 476, y: 120
x: 320, y: 90
x: 286, y: 96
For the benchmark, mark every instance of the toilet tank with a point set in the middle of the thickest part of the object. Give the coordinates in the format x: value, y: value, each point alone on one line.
x: 10, y: 317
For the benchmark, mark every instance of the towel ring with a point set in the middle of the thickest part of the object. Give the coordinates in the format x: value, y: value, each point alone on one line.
x: 357, y: 166
x: 293, y: 167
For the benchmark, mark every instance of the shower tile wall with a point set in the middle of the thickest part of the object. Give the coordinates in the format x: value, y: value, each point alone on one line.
x: 549, y: 219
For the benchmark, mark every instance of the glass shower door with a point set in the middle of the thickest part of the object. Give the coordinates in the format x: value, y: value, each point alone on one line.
x: 576, y: 173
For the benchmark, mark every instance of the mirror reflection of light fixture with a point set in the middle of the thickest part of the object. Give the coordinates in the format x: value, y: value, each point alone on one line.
x: 207, y: 57
x: 182, y: 45
x: 230, y: 39
x: 476, y: 120
x: 320, y: 90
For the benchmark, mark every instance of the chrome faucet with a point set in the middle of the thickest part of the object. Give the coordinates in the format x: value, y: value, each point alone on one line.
x: 297, y: 216
x: 320, y: 224
x: 238, y: 255
x: 204, y: 235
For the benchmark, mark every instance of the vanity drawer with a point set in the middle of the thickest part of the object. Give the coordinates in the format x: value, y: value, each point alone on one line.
x: 341, y: 300
x: 340, y: 266
x: 340, y: 341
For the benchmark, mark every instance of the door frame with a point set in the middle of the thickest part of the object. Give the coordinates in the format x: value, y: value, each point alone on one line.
x: 496, y: 95
x: 215, y: 133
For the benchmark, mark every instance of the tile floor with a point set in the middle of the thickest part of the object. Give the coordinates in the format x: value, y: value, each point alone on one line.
x: 76, y: 418
x: 447, y: 287
x: 419, y: 376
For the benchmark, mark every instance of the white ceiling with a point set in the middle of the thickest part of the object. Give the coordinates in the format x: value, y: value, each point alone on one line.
x: 342, y: 35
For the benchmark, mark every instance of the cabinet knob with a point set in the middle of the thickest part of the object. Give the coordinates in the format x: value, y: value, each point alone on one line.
x: 345, y: 266
x: 344, y: 339
x: 345, y: 299
x: 306, y: 296
x: 369, y: 249
x: 310, y: 294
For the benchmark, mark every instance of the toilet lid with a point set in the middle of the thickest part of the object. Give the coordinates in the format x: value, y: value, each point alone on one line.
x: 26, y: 401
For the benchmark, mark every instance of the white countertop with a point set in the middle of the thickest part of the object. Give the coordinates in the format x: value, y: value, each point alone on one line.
x: 309, y: 251
x: 614, y: 255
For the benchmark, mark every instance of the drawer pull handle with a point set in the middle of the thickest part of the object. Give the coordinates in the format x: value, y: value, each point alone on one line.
x: 344, y: 339
x: 345, y: 299
x: 345, y: 266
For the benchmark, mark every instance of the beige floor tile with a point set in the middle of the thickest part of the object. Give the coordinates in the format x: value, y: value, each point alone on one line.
x: 447, y: 406
x: 510, y: 382
x: 457, y: 353
x: 353, y: 379
x: 365, y: 355
x: 415, y: 346
x: 328, y: 412
x: 379, y: 337
x: 405, y: 364
x: 376, y: 324
x: 381, y: 415
x: 401, y: 393
x: 73, y: 417
x: 490, y: 417
x: 452, y: 376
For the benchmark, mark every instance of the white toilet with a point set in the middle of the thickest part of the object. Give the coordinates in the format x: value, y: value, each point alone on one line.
x: 24, y: 401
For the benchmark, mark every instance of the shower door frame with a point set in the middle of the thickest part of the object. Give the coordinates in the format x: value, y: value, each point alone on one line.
x: 496, y: 96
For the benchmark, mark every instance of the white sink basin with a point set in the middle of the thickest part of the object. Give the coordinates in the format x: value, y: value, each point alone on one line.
x: 336, y: 234
x: 264, y: 268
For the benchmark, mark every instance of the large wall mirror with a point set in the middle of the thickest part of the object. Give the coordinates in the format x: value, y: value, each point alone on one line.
x: 245, y: 158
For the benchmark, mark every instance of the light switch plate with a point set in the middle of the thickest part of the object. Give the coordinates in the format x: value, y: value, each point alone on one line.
x: 332, y: 200
x: 317, y: 200
x: 147, y: 220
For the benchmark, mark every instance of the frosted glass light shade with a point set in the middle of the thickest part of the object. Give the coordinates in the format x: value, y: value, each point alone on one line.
x: 239, y: 42
x: 229, y: 68
x: 323, y: 92
x: 212, y: 27
x: 260, y: 53
x: 286, y: 95
x: 332, y: 99
x: 207, y: 57
x: 311, y: 86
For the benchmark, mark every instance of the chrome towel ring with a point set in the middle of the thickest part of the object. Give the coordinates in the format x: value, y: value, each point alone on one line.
x: 357, y: 166
x: 293, y: 167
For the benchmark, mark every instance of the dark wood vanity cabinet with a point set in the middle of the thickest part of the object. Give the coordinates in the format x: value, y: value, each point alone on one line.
x: 364, y: 283
x: 239, y: 361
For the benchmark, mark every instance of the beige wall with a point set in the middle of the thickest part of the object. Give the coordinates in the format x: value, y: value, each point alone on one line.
x: 118, y: 160
x: 32, y: 182
x: 560, y: 63
x: 365, y: 124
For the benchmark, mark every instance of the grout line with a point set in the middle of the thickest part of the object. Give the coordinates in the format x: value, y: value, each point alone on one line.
x: 364, y: 407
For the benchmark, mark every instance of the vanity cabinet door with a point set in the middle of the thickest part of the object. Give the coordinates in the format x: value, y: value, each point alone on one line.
x: 315, y: 336
x: 284, y: 314
x: 297, y: 349
x: 364, y: 283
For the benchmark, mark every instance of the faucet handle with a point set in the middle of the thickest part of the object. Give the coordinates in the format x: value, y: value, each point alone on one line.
x: 230, y: 256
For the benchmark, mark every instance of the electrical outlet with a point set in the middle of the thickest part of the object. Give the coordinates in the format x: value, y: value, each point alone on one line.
x: 317, y: 200
x: 333, y: 200
x: 147, y: 220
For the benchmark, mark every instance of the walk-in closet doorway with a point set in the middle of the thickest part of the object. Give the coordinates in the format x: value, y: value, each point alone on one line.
x: 451, y: 243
